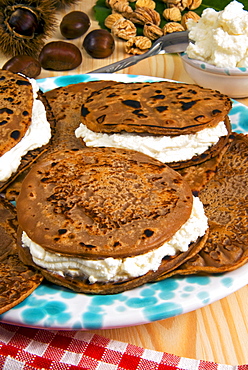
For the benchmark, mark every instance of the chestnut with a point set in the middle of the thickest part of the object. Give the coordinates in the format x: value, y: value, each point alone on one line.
x: 24, y: 64
x: 99, y: 43
x: 60, y: 56
x: 23, y: 23
x: 74, y: 24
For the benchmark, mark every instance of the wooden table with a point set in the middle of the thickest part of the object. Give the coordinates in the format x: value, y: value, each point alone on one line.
x: 218, y: 332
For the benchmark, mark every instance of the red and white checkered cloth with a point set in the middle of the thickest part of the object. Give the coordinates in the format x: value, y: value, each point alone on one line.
x: 32, y: 349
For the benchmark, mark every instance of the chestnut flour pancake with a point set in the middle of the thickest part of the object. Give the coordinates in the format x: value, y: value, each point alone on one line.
x: 17, y: 281
x: 66, y: 103
x: 198, y: 175
x: 97, y: 203
x: 16, y: 100
x: 225, y: 200
x: 63, y: 107
x: 16, y: 97
x: 156, y: 109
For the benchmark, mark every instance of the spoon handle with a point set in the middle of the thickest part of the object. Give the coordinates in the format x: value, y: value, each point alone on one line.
x: 171, y: 43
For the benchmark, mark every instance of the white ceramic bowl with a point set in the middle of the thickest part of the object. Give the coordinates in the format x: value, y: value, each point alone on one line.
x: 230, y: 81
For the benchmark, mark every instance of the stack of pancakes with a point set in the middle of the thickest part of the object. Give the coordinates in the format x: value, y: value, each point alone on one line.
x: 177, y: 123
x: 106, y: 219
x: 26, y: 125
x: 101, y: 218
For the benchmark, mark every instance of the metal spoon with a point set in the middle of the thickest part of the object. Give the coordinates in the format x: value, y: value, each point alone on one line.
x: 175, y: 42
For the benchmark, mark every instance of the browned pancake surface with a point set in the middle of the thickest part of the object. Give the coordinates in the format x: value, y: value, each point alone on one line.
x: 66, y: 103
x: 33, y: 155
x: 8, y: 227
x: 225, y: 199
x: 63, y: 107
x: 198, y: 174
x: 102, y: 202
x: 157, y: 108
x: 16, y: 96
x: 17, y: 281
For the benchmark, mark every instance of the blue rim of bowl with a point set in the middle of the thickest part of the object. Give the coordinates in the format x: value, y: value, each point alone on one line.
x: 198, y: 64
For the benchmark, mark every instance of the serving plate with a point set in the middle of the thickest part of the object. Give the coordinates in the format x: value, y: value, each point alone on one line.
x: 54, y: 307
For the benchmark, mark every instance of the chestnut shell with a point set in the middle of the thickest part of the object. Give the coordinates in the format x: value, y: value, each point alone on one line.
x: 29, y: 36
x: 60, y: 56
x: 24, y: 64
x: 99, y: 43
x: 74, y: 24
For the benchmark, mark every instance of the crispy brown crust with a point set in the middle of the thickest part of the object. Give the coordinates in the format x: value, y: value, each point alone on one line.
x: 8, y: 228
x: 16, y: 96
x: 199, y: 174
x: 102, y: 202
x: 225, y: 201
x: 17, y: 281
x: 157, y: 108
x: 33, y: 155
x: 66, y: 103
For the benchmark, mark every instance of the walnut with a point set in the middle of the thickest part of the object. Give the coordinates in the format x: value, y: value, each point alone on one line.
x: 123, y: 7
x: 172, y: 14
x: 119, y: 6
x: 110, y: 3
x: 189, y: 15
x: 172, y: 27
x: 145, y: 15
x: 137, y: 45
x: 124, y: 29
x: 194, y: 4
x: 111, y: 19
x: 180, y: 4
x: 145, y: 3
x: 152, y: 31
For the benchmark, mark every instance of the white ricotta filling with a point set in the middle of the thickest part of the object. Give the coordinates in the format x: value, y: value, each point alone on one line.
x: 220, y: 38
x: 37, y: 135
x: 164, y: 148
x: 115, y: 269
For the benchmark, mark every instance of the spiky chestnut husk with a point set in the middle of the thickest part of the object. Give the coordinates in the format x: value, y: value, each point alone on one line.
x: 40, y: 19
x: 61, y: 4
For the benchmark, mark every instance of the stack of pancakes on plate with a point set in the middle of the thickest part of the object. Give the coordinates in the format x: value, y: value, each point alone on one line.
x: 101, y: 219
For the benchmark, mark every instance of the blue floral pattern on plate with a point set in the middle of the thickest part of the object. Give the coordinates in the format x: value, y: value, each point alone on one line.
x: 51, y: 306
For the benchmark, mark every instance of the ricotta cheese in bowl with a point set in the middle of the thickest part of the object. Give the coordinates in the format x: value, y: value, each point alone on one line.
x: 217, y: 56
x: 220, y: 38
